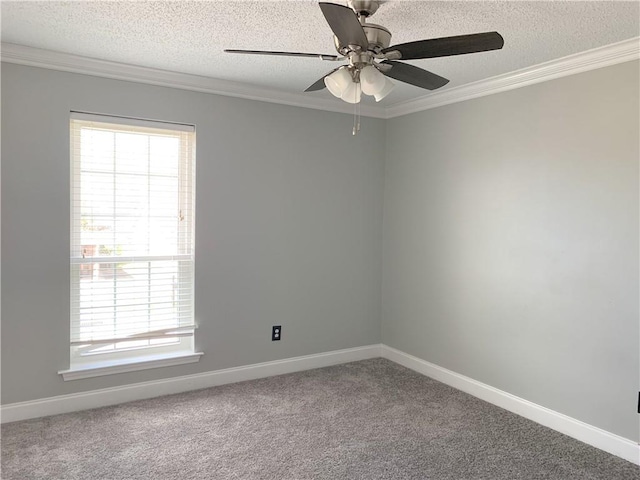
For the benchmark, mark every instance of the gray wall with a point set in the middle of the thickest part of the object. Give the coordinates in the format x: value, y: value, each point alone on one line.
x: 509, y: 247
x: 511, y: 243
x: 289, y: 226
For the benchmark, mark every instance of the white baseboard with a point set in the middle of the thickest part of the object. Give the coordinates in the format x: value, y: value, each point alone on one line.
x: 596, y: 437
x: 584, y: 432
x: 111, y: 396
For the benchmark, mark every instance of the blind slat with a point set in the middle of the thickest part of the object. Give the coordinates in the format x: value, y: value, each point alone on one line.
x: 131, y: 259
x: 164, y: 333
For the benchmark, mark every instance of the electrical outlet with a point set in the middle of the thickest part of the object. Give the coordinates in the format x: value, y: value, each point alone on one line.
x: 276, y: 333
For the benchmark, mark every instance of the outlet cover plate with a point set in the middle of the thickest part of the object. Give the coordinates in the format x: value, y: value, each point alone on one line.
x: 276, y: 333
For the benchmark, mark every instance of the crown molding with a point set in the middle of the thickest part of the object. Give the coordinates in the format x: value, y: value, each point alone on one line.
x: 625, y: 51
x: 36, y: 57
x: 608, y: 55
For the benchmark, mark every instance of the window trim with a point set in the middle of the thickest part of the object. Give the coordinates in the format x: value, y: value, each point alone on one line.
x: 141, y: 358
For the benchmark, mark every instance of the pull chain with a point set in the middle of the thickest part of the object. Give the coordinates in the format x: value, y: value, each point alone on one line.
x: 356, y: 118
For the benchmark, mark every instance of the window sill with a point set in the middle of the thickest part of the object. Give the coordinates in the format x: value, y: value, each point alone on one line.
x: 98, y: 369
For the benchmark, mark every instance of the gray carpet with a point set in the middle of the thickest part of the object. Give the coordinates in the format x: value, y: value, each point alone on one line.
x: 364, y: 420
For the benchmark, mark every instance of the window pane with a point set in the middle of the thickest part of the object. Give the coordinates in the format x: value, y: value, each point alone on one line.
x: 97, y: 148
x: 96, y: 193
x: 163, y: 237
x: 163, y: 196
x: 165, y: 152
x: 122, y: 299
x: 131, y: 195
x: 132, y: 153
x: 96, y: 234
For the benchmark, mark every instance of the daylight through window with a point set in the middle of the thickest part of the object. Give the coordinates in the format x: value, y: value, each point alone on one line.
x: 132, y: 226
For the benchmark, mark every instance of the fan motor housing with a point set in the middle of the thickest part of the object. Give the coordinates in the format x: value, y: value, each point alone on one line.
x: 377, y: 35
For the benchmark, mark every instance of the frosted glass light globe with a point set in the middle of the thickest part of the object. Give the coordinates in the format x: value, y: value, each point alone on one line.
x: 372, y: 80
x: 386, y: 90
x: 338, y: 82
x: 352, y: 94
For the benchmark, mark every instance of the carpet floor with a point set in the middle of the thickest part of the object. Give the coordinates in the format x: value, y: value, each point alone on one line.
x: 364, y: 420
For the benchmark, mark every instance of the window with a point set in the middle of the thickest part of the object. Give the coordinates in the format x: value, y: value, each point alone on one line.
x: 132, y: 239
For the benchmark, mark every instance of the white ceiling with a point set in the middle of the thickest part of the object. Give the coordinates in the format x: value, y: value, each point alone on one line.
x: 189, y: 36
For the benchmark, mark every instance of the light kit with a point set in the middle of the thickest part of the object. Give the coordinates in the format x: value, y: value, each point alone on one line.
x: 350, y: 82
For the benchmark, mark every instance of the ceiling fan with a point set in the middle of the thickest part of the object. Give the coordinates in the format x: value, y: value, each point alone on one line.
x: 370, y: 58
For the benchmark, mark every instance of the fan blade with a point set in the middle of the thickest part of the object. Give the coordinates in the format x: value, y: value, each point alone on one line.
x: 319, y: 85
x: 286, y: 54
x: 443, y: 47
x: 345, y: 25
x: 414, y: 75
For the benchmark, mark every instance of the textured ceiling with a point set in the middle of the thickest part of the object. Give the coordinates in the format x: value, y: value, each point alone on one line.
x: 188, y: 37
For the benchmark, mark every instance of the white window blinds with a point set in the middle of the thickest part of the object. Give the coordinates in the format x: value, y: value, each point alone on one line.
x: 132, y: 229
